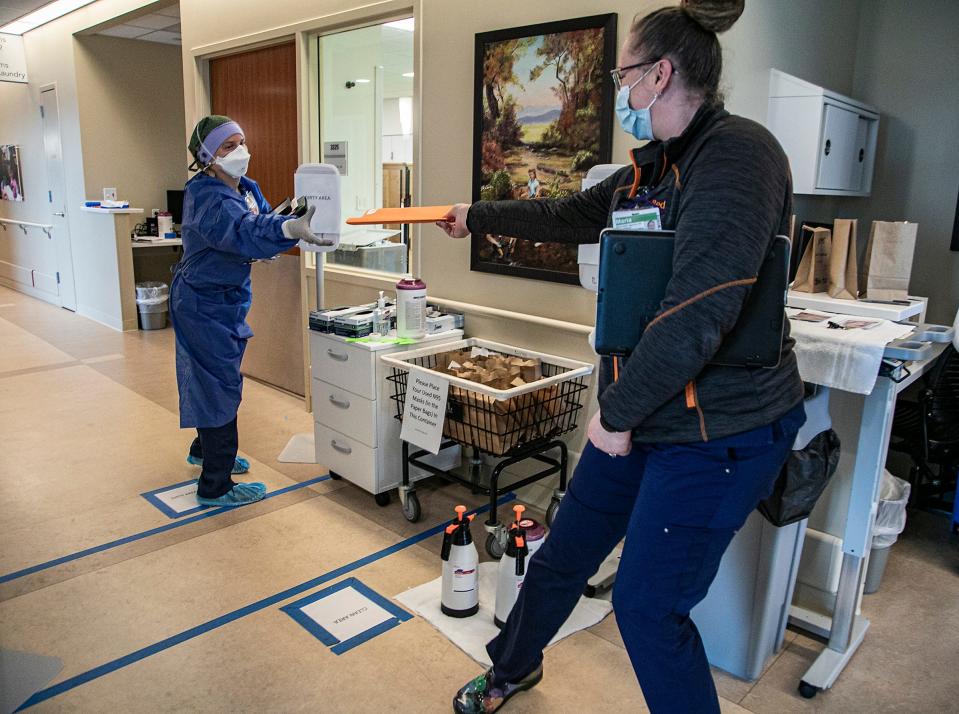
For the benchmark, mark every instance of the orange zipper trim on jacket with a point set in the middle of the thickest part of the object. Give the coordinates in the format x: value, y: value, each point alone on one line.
x: 692, y: 402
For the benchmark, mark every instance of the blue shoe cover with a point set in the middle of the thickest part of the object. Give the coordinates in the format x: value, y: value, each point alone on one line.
x: 240, y: 465
x: 239, y: 495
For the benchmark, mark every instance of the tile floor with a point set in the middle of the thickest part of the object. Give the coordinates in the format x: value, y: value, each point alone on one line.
x: 88, y: 422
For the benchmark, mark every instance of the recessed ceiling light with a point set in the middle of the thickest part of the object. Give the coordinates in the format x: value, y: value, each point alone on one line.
x: 42, y: 16
x: 408, y: 74
x: 406, y: 24
x: 362, y: 81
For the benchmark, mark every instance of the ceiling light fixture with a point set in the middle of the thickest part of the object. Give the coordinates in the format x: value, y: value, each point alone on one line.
x: 42, y: 16
x: 408, y: 74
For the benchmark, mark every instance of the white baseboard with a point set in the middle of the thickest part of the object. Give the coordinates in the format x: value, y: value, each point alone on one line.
x: 47, y: 283
x: 28, y: 289
x: 101, y: 317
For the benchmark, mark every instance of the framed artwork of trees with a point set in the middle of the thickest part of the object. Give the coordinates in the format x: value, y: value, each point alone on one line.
x: 543, y: 113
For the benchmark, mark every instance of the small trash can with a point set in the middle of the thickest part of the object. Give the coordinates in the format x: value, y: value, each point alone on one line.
x: 890, y: 522
x: 152, y: 300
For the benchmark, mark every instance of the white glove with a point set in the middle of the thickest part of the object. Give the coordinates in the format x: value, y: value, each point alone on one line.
x: 299, y: 229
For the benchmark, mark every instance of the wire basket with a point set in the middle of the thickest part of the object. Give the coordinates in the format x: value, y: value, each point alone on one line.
x: 498, y: 421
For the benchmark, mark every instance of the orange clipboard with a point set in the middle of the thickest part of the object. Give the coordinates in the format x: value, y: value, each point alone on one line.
x: 414, y: 214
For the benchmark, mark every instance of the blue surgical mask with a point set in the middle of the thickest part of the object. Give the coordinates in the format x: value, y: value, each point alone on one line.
x: 637, y: 122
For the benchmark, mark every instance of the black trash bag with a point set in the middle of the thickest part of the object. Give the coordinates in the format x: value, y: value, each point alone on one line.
x: 802, y: 480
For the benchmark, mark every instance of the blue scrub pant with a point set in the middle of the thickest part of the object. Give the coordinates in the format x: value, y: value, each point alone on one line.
x: 678, y: 506
x: 217, y: 447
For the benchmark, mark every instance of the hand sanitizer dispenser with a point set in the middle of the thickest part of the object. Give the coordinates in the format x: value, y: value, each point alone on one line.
x: 588, y: 254
x: 319, y: 184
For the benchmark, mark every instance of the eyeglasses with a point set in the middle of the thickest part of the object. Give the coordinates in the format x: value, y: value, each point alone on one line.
x: 619, y: 73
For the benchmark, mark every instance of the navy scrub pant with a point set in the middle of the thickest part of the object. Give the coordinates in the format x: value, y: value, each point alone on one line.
x: 678, y: 506
x: 217, y: 446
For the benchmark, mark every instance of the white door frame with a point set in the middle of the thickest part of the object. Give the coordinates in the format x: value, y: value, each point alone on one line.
x: 57, y: 198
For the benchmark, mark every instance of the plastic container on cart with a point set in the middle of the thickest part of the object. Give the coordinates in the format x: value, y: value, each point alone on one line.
x: 515, y: 424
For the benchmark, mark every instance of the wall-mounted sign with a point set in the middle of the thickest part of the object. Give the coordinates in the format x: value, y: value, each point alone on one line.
x: 13, y: 60
x: 334, y: 152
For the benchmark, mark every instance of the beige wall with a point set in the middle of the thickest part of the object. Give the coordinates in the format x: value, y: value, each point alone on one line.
x: 908, y: 54
x: 812, y: 47
x: 131, y: 118
x: 814, y: 39
x: 50, y: 60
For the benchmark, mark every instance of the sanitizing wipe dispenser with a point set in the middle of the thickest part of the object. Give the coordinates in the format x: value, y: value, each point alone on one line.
x: 588, y: 253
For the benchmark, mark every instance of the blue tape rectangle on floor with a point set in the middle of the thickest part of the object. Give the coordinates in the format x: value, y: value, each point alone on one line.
x: 382, y: 614
x: 146, y: 534
x: 176, y: 501
x: 165, y: 644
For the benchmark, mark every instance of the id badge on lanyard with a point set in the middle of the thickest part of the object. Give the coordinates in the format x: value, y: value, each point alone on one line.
x: 251, y: 203
x: 637, y: 214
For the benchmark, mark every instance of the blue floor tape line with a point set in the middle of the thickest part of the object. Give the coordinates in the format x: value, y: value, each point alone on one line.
x: 146, y: 534
x: 104, y: 669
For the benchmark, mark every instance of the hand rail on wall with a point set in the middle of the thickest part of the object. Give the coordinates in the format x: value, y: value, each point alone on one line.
x: 45, y: 227
x: 574, y: 327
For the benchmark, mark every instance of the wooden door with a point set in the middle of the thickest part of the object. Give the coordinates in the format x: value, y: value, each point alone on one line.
x: 258, y: 90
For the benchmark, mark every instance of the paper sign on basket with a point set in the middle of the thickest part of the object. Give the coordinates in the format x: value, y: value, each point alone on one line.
x: 425, y: 411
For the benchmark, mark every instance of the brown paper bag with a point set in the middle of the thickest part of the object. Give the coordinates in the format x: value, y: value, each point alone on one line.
x: 813, y: 273
x: 885, y: 273
x: 843, y: 275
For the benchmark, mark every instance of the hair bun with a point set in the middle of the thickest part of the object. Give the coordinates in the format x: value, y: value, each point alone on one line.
x: 714, y: 15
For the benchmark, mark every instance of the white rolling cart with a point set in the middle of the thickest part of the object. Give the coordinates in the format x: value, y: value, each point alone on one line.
x: 355, y: 434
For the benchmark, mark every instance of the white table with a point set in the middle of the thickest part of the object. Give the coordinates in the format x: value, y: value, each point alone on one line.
x: 845, y: 628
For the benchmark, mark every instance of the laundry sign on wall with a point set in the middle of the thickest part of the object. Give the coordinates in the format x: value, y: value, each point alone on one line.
x: 13, y: 60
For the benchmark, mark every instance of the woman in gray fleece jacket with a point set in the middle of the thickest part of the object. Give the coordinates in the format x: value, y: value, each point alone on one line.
x: 680, y: 451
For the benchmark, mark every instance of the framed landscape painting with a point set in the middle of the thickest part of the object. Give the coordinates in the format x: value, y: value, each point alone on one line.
x: 543, y: 117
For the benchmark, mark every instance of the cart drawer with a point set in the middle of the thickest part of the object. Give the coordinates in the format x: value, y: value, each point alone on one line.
x: 344, y: 365
x: 353, y: 460
x: 345, y: 412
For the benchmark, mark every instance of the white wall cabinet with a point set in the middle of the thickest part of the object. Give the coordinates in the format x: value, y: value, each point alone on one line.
x: 398, y: 149
x: 830, y: 139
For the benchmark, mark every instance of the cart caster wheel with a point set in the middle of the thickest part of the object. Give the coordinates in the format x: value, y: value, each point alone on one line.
x: 552, y: 511
x: 411, y: 509
x: 807, y: 691
x: 382, y: 499
x: 494, y: 547
x: 335, y: 476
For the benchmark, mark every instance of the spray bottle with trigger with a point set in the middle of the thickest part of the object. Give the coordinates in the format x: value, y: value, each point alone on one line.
x: 512, y: 568
x: 460, y: 593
